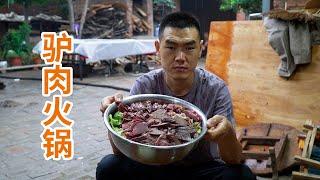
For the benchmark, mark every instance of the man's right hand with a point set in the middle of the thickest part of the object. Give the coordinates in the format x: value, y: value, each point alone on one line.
x: 106, y: 101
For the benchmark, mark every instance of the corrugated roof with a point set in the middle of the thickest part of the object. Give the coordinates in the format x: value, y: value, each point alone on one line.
x: 13, y: 17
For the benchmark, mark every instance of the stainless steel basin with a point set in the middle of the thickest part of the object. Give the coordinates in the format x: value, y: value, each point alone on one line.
x: 153, y: 155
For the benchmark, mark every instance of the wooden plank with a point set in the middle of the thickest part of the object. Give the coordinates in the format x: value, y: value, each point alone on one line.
x: 274, y: 164
x: 23, y: 67
x: 306, y: 145
x: 279, y: 150
x: 309, y: 125
x: 307, y: 161
x: 277, y: 130
x: 268, y: 129
x: 244, y: 144
x: 305, y: 151
x: 261, y: 138
x: 280, y: 147
x: 239, y: 53
x: 304, y: 176
x: 255, y: 155
x: 311, y: 142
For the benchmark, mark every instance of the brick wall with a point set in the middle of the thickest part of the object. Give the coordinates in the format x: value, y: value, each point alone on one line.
x: 291, y: 4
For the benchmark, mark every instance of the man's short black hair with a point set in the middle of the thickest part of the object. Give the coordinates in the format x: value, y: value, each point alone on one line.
x: 179, y: 20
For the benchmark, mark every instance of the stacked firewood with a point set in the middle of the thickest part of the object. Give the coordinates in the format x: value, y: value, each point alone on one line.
x: 106, y: 21
x: 139, y: 21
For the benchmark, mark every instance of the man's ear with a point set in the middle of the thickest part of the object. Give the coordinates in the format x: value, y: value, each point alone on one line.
x: 201, y: 48
x: 157, y: 45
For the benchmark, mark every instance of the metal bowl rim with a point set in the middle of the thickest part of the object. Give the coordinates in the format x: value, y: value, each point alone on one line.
x: 160, y: 97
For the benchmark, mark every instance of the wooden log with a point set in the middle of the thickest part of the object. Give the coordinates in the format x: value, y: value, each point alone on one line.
x: 101, y: 7
x: 141, y: 12
x: 106, y: 21
x: 135, y: 19
x: 146, y: 24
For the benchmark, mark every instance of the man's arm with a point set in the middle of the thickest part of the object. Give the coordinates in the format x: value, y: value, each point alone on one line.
x: 115, y: 150
x: 221, y: 128
x: 104, y: 105
x: 221, y: 131
x: 136, y: 89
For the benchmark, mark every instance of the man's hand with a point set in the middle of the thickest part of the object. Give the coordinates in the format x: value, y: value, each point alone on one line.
x: 104, y: 105
x: 106, y: 101
x: 218, y: 128
x: 221, y: 132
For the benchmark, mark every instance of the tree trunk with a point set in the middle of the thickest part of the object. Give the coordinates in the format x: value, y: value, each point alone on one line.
x: 71, y: 15
x: 25, y: 12
x: 83, y: 17
x: 26, y: 4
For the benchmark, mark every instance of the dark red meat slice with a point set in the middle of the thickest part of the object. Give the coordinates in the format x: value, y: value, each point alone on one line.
x: 193, y: 115
x: 157, y: 123
x: 140, y: 128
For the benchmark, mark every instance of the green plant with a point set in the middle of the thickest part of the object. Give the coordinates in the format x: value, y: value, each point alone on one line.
x: 34, y: 55
x: 1, y: 54
x: 11, y: 54
x: 26, y: 58
x: 14, y: 44
x: 249, y: 6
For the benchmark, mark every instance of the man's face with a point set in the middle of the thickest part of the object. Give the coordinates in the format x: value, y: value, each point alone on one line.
x: 179, y: 51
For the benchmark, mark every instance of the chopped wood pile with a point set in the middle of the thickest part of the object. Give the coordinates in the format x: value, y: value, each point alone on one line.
x: 139, y: 21
x: 303, y: 15
x: 106, y: 21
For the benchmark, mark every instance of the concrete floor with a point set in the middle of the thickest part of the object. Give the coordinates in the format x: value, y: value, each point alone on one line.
x: 20, y: 154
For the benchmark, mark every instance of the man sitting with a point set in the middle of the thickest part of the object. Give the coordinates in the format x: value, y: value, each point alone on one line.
x: 218, y: 155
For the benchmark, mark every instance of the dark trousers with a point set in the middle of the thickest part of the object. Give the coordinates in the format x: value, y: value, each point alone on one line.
x: 120, y: 167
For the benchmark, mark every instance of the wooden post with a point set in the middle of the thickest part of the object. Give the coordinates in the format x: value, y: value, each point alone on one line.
x: 150, y: 16
x: 274, y: 164
x: 307, y: 161
x: 313, y: 136
x: 129, y: 17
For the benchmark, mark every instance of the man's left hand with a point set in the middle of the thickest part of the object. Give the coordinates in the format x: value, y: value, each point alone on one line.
x: 218, y: 127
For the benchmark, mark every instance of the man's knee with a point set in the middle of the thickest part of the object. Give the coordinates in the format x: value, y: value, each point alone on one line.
x: 240, y: 171
x: 109, y: 166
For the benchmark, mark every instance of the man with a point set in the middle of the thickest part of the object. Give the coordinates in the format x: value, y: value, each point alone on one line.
x: 179, y: 50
